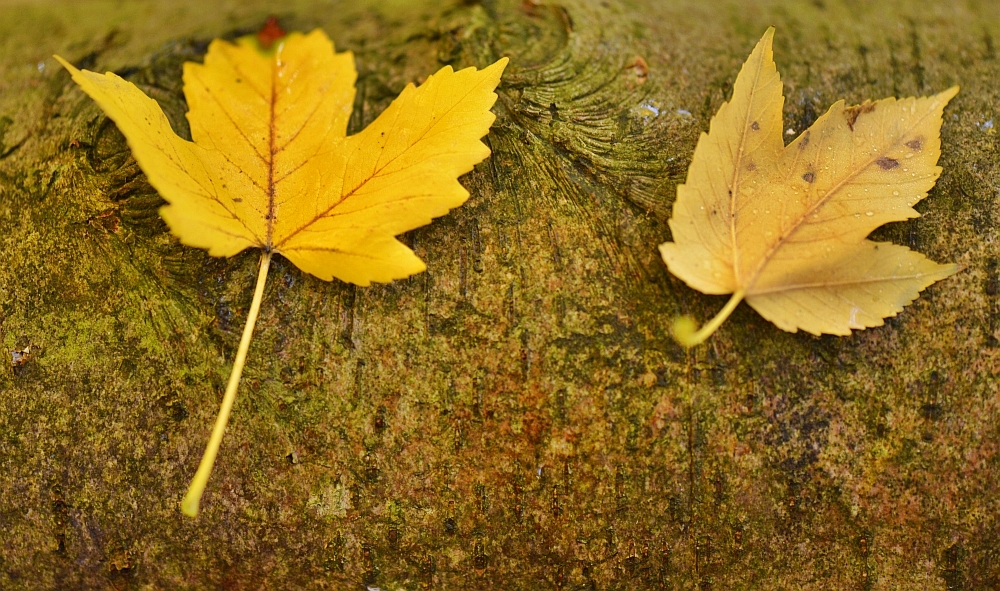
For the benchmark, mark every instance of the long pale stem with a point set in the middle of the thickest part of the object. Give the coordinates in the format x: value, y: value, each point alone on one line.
x: 193, y: 497
x: 684, y: 327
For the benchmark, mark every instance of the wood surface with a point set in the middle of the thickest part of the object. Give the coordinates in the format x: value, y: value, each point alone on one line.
x: 517, y: 417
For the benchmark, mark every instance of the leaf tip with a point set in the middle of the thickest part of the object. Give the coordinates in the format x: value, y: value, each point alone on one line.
x: 954, y: 269
x: 764, y: 50
x: 69, y: 67
x: 767, y: 39
x: 949, y: 94
x: 944, y: 271
x: 498, y: 67
x: 270, y: 32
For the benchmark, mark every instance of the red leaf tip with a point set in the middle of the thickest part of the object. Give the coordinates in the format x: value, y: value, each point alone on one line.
x: 270, y: 32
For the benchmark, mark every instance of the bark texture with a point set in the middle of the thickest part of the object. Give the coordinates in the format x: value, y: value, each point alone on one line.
x: 517, y: 417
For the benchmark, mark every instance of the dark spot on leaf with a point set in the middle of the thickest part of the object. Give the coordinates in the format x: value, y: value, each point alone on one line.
x: 886, y: 163
x: 853, y: 113
x: 809, y: 177
x: 239, y: 80
x: 755, y: 126
x: 237, y: 200
x: 804, y: 142
x: 915, y: 144
x: 751, y: 167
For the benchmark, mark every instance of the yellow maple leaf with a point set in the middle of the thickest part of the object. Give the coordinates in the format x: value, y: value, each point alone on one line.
x: 785, y: 228
x: 271, y: 165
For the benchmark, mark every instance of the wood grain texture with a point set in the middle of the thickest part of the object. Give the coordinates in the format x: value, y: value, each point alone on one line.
x: 517, y: 417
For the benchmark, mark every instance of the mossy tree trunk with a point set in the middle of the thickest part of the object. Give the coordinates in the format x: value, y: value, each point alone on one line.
x: 517, y: 417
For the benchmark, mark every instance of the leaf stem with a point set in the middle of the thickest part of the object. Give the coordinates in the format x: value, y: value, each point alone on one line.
x: 684, y: 327
x: 189, y: 506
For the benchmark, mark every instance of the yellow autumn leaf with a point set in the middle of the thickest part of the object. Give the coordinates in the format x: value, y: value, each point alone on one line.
x: 271, y: 166
x: 785, y: 227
